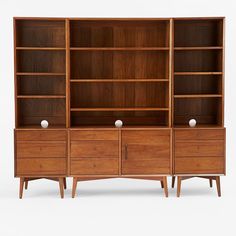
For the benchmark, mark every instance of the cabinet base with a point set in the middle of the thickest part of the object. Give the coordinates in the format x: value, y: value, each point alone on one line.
x: 25, y: 180
x: 162, y: 179
x: 210, y: 178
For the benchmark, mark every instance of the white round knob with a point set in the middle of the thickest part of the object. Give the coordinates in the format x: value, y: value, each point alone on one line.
x: 192, y: 123
x: 44, y: 124
x: 118, y: 123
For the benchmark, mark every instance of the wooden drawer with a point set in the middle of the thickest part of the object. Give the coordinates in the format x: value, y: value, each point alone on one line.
x: 97, y: 149
x: 199, y: 148
x: 200, y: 165
x: 41, y: 149
x: 40, y: 166
x: 93, y: 166
x: 41, y: 135
x: 199, y: 134
x: 77, y: 135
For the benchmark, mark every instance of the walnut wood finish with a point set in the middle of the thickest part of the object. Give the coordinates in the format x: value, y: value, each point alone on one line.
x: 154, y: 74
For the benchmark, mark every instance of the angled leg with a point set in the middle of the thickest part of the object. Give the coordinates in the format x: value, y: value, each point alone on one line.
x: 26, y: 184
x: 165, y: 186
x: 178, y: 186
x: 210, y: 181
x: 61, y: 185
x: 75, y: 180
x: 162, y: 185
x: 173, y: 182
x: 64, y: 182
x: 22, y: 180
x: 218, y: 185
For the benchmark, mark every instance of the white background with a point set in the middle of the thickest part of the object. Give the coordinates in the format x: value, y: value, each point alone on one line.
x: 114, y: 207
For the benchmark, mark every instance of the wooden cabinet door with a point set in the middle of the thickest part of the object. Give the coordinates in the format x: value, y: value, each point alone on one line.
x: 146, y: 152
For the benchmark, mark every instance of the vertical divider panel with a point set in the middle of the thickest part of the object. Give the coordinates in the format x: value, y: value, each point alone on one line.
x: 68, y: 123
x: 15, y: 77
x: 171, y: 60
x: 223, y: 74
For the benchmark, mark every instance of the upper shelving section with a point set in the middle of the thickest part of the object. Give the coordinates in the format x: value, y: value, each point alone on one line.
x: 119, y: 35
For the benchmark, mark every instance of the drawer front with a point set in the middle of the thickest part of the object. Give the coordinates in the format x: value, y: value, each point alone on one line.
x: 147, y: 166
x: 81, y: 135
x: 41, y: 135
x: 199, y: 148
x: 40, y: 166
x: 98, y: 149
x: 202, y: 165
x: 40, y: 149
x: 146, y: 136
x: 200, y: 134
x: 93, y: 166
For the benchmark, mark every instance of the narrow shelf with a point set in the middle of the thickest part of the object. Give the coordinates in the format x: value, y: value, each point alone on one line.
x: 198, y: 73
x: 40, y: 96
x: 198, y: 126
x: 117, y: 80
x: 121, y: 109
x: 39, y: 73
x: 198, y: 96
x: 41, y: 48
x: 198, y: 48
x: 119, y: 48
x: 51, y: 127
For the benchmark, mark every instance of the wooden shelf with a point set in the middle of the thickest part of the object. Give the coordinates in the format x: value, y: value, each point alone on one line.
x: 198, y: 96
x: 40, y: 96
x: 198, y: 48
x: 41, y: 48
x: 40, y: 73
x: 198, y: 73
x: 121, y: 109
x: 117, y: 80
x: 119, y: 48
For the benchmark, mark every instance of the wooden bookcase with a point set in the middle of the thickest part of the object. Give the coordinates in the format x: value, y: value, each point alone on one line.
x: 83, y: 74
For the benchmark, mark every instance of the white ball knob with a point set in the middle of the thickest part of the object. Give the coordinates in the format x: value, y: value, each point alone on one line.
x: 44, y: 124
x: 118, y: 123
x: 192, y: 123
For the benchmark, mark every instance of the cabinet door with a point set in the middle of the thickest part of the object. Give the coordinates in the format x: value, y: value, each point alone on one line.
x: 199, y: 151
x: 94, y: 152
x: 146, y: 152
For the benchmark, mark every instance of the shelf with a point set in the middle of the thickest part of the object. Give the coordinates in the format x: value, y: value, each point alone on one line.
x: 198, y: 126
x: 119, y: 48
x: 40, y: 96
x: 41, y: 48
x: 120, y: 109
x: 117, y: 80
x: 198, y: 96
x: 40, y: 73
x: 198, y: 48
x: 198, y: 73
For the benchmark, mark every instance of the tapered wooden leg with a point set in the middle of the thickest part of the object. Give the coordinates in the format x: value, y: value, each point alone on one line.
x: 178, y: 186
x: 75, y: 180
x: 162, y: 185
x: 218, y: 185
x: 210, y: 181
x: 26, y: 184
x: 64, y: 182
x: 22, y: 180
x: 61, y: 185
x: 173, y: 182
x: 165, y: 186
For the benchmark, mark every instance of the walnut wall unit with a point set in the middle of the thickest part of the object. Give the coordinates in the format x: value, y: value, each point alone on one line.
x: 154, y: 74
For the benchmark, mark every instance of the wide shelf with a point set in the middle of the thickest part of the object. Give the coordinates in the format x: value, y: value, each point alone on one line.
x: 119, y: 48
x: 198, y: 96
x: 120, y: 109
x: 41, y: 48
x: 198, y: 73
x: 117, y: 80
x: 40, y: 73
x: 198, y: 48
x: 40, y: 96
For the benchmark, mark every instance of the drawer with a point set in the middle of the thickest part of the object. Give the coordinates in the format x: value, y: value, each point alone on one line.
x: 41, y: 135
x: 199, y: 148
x: 77, y: 135
x: 200, y: 165
x: 97, y: 149
x: 147, y: 166
x: 93, y: 166
x: 40, y: 166
x: 199, y: 134
x: 146, y: 136
x: 40, y: 149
